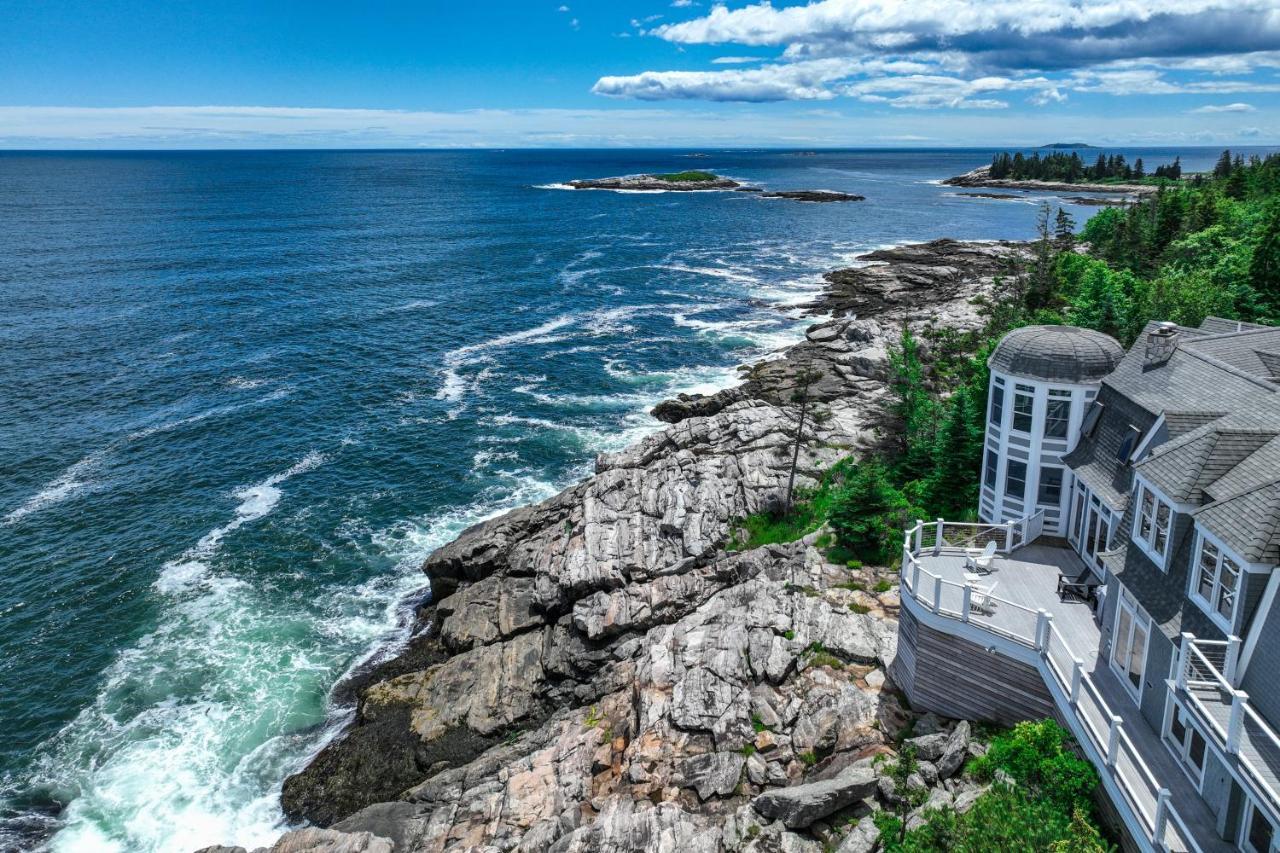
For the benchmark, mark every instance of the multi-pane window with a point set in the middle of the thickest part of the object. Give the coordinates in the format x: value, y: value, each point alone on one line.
x: 1057, y: 414
x: 1024, y: 402
x: 1015, y: 481
x: 1216, y: 581
x: 1259, y: 834
x: 997, y: 402
x: 989, y: 469
x: 1050, y: 490
x: 1151, y: 524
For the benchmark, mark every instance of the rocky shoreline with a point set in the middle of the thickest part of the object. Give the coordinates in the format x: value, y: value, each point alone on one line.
x: 980, y: 177
x: 598, y: 672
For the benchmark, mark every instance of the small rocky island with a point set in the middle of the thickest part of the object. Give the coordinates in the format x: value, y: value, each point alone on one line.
x: 688, y: 181
x: 693, y: 181
x: 981, y: 177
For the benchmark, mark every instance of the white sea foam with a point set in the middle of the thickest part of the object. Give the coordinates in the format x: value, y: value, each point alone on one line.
x: 72, y: 481
x: 197, y: 724
x: 256, y: 502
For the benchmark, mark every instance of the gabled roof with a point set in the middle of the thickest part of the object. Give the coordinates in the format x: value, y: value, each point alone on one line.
x: 1184, y: 468
x: 1179, y: 423
x: 1221, y: 325
x: 1249, y: 523
x: 1243, y: 350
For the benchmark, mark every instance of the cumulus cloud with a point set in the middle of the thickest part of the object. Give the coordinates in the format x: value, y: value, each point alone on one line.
x: 734, y: 60
x: 1117, y: 47
x: 1226, y: 108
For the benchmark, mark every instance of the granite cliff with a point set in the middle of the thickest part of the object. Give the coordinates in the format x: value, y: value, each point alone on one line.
x: 599, y: 672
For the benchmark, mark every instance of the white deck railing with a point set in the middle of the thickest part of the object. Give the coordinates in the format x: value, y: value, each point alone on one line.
x: 1211, y: 666
x: 1121, y: 761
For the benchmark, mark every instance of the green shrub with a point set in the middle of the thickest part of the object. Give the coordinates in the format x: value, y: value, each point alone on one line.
x: 689, y: 176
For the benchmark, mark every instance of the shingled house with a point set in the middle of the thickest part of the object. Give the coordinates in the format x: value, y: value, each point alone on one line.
x: 1132, y: 502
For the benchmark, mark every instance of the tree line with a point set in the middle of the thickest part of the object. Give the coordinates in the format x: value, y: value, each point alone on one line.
x: 1071, y: 168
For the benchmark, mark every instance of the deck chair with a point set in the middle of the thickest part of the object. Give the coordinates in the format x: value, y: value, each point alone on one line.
x: 1083, y: 587
x: 981, y: 598
x: 981, y: 562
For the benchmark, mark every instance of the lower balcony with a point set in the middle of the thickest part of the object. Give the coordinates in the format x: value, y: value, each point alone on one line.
x: 1006, y: 598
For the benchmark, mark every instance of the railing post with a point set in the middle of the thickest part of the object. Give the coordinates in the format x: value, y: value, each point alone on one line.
x: 915, y: 579
x: 1008, y: 537
x: 937, y: 593
x: 937, y: 537
x: 1184, y: 658
x: 1162, y: 817
x: 1232, y: 663
x: 966, y: 595
x: 1235, y: 723
x: 1077, y: 679
x: 1113, y: 741
x: 919, y: 533
x: 1043, y: 622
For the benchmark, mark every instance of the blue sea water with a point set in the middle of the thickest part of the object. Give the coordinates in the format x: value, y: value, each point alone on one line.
x: 243, y: 395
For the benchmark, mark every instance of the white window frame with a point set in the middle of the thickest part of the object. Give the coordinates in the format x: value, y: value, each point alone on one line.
x: 1057, y: 395
x: 997, y: 391
x: 1147, y: 542
x: 1029, y: 392
x: 1246, y: 817
x: 1224, y: 554
x: 1026, y: 478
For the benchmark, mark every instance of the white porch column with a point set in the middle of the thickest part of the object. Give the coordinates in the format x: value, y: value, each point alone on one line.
x: 1235, y: 723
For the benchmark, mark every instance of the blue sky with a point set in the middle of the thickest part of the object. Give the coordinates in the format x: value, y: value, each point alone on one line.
x: 137, y: 73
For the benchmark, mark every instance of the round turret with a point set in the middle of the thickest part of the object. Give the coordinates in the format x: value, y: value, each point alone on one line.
x: 1057, y: 354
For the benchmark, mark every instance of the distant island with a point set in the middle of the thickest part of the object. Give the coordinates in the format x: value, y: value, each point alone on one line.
x: 695, y: 180
x: 1067, y: 146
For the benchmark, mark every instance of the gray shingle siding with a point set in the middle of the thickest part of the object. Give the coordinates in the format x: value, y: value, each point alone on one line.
x: 1262, y: 677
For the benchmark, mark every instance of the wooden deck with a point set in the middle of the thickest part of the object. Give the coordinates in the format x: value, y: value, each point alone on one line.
x: 1256, y: 746
x: 1020, y: 586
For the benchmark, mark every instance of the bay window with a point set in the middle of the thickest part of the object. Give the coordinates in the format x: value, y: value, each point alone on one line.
x: 1015, y: 481
x: 997, y: 402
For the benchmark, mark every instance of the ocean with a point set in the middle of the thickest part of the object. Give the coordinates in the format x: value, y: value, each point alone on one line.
x: 244, y: 394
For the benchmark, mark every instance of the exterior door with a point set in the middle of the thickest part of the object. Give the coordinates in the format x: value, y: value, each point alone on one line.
x: 1129, y: 643
x: 1188, y: 745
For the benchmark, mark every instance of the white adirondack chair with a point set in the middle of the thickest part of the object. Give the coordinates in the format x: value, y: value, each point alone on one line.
x: 981, y: 598
x: 981, y: 562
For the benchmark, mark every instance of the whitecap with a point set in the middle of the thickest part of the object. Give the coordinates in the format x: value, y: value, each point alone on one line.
x: 74, y: 480
x: 256, y: 501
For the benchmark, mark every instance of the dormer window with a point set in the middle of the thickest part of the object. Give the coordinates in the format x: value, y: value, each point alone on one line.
x: 1024, y: 403
x: 1215, y: 582
x: 1151, y: 524
x: 1091, y: 419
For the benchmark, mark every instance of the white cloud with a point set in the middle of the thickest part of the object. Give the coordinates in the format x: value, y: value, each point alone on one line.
x: 1226, y: 108
x: 735, y: 60
x: 682, y: 4
x: 1118, y: 47
x: 563, y: 9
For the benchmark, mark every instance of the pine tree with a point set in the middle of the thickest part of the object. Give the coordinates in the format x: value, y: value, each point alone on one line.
x: 1223, y: 167
x: 1138, y: 171
x: 1064, y: 231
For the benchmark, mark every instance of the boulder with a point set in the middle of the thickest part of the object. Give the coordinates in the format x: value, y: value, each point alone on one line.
x: 713, y: 774
x: 955, y: 752
x: 800, y: 805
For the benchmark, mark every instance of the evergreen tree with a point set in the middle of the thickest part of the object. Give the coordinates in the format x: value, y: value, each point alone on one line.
x: 1138, y: 171
x: 1064, y: 231
x: 1264, y: 264
x: 1223, y: 167
x: 913, y: 407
